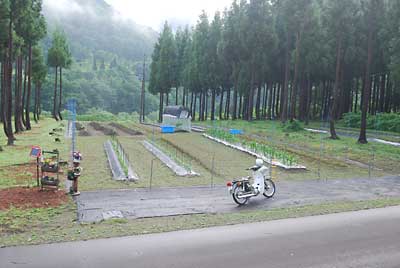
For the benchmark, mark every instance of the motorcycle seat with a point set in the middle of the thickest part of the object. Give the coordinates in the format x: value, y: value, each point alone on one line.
x: 254, y: 168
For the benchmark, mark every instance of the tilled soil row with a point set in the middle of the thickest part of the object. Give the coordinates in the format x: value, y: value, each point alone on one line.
x: 125, y: 129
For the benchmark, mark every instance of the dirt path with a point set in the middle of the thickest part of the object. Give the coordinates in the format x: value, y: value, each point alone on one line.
x: 142, y: 203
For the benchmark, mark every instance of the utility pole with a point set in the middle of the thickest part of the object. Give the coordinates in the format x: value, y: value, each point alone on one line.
x: 142, y: 98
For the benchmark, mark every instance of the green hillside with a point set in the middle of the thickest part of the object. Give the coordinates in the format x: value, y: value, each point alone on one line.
x: 107, y: 55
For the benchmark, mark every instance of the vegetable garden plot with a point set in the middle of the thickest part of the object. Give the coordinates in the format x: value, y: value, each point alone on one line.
x: 259, y: 150
x: 168, y: 161
x: 119, y: 162
x: 114, y: 163
x: 222, y: 162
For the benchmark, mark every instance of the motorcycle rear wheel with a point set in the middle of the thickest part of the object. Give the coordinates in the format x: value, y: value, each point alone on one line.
x: 237, y: 190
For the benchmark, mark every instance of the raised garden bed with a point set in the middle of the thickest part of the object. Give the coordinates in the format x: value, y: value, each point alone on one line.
x: 168, y: 161
x: 116, y: 167
x: 106, y: 130
x: 268, y: 154
x: 125, y: 129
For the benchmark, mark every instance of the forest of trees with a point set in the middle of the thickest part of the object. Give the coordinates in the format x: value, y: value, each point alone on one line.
x: 41, y: 67
x: 22, y: 26
x: 284, y: 59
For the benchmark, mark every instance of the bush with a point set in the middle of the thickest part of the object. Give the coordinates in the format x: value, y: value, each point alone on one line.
x: 292, y: 126
x: 128, y: 117
x: 152, y: 117
x: 46, y: 114
x: 384, y: 122
x: 98, y: 115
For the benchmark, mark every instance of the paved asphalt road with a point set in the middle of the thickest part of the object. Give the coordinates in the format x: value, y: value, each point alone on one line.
x: 357, y: 239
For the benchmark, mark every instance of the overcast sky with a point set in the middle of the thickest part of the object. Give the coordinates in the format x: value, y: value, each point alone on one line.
x: 153, y: 13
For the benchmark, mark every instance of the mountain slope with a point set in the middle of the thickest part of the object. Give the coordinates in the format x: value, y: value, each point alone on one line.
x: 107, y: 56
x: 93, y: 26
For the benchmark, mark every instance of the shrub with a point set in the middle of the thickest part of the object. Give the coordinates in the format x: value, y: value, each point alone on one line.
x: 292, y: 126
x: 98, y: 115
x: 384, y: 122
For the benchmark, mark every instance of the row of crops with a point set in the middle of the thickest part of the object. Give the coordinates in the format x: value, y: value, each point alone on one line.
x: 256, y: 147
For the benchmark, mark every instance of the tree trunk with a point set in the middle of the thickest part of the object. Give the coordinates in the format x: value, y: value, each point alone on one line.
x: 2, y: 89
x: 18, y: 107
x: 367, y: 85
x: 28, y: 95
x: 160, y: 106
x: 293, y: 93
x: 270, y: 99
x: 61, y: 92
x: 55, y: 95
x: 39, y: 111
x: 258, y: 103
x: 8, y: 110
x: 309, y: 97
x: 356, y: 95
x: 235, y: 94
x: 284, y: 93
x: 176, y: 95
x: 200, y: 106
x: 213, y: 97
x: 228, y: 104
x: 273, y: 108
x: 205, y: 110
x: 278, y: 107
x: 184, y: 97
x: 26, y: 67
x: 388, y: 94
x: 336, y: 93
x: 382, y: 94
x: 194, y: 107
x: 191, y: 105
x: 35, y: 104
x: 221, y: 104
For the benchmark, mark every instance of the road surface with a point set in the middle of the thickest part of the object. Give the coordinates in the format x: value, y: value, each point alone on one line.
x: 142, y: 203
x: 356, y: 239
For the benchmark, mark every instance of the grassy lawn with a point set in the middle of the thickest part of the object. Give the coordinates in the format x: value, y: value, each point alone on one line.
x: 14, y: 158
x: 309, y: 146
x: 36, y: 226
x: 341, y: 127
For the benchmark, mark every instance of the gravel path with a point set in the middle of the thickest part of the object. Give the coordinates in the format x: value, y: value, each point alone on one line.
x: 142, y: 203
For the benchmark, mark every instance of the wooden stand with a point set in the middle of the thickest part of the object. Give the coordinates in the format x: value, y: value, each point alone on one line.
x: 47, y: 170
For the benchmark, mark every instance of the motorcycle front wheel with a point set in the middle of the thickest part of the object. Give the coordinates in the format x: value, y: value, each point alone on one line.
x: 269, y: 188
x: 237, y: 190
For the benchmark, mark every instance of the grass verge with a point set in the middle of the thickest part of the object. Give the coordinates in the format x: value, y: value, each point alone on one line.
x: 26, y: 227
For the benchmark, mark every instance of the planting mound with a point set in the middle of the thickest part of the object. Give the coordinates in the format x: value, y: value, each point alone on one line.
x: 31, y: 198
x: 125, y: 129
x: 106, y: 130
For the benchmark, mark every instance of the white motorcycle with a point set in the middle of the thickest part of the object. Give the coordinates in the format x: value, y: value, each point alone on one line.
x: 242, y: 190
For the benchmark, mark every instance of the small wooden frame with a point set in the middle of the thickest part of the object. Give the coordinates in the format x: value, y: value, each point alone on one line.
x: 53, y: 169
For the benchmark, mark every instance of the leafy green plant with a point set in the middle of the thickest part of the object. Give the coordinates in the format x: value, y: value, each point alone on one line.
x: 292, y: 126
